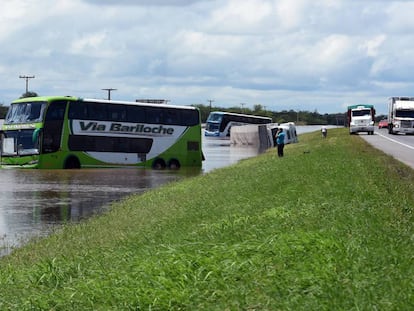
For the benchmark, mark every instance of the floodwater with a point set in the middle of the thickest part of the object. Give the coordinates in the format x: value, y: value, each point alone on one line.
x: 34, y: 202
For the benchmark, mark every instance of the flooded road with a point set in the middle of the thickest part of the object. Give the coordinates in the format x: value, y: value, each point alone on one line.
x: 33, y: 202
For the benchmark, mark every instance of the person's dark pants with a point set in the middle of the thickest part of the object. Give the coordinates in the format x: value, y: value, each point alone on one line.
x: 280, y: 149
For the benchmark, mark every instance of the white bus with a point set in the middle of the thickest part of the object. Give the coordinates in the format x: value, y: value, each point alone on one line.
x: 219, y: 123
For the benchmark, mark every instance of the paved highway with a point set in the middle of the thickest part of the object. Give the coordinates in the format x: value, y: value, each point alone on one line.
x: 400, y: 146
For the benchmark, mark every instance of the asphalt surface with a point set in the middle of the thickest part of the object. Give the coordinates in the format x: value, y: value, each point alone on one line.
x: 401, y: 146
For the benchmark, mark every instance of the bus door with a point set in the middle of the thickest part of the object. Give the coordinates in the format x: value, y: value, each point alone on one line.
x: 53, y: 126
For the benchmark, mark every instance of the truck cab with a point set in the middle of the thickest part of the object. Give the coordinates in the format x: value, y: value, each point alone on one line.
x: 401, y: 115
x: 361, y: 119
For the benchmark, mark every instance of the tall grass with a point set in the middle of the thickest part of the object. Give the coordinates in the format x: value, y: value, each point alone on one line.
x: 327, y: 227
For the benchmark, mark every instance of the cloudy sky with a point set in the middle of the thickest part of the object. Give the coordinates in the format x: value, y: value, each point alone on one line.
x: 282, y: 54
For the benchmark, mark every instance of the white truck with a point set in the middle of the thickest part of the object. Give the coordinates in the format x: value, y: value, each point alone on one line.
x: 401, y: 115
x: 361, y: 118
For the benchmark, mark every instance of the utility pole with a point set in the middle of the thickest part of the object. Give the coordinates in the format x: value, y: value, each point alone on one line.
x: 109, y: 92
x: 27, y: 81
x: 242, y: 106
x: 210, y: 101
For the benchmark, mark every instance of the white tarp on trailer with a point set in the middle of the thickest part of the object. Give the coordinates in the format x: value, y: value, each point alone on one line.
x: 262, y: 135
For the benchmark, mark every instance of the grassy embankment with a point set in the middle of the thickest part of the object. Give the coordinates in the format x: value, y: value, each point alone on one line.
x: 328, y: 227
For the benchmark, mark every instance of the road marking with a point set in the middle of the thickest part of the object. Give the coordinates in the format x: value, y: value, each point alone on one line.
x: 395, y: 141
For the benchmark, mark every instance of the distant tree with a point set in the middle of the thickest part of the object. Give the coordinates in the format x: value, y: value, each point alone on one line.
x: 258, y: 109
x: 3, y: 111
x: 204, y: 111
x: 29, y: 94
x: 380, y: 117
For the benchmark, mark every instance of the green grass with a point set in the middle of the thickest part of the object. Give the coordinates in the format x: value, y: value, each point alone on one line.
x: 327, y: 227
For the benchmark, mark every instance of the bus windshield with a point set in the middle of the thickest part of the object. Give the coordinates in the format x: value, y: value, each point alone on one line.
x: 25, y: 112
x: 215, y: 117
x: 22, y: 142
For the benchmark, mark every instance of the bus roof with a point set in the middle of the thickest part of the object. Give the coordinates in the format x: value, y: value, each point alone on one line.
x: 104, y: 101
x: 402, y: 98
x: 120, y: 102
x: 240, y: 114
x: 43, y: 98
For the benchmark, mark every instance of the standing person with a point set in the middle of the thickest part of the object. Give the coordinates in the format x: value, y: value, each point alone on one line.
x: 280, y: 141
x: 324, y: 131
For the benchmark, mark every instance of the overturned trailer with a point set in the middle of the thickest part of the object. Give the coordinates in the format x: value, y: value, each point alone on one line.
x: 262, y: 135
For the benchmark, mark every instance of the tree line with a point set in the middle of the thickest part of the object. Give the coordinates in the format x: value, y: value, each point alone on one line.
x: 300, y: 117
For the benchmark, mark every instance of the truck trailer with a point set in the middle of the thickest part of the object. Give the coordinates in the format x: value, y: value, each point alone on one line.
x: 401, y: 115
x: 361, y: 118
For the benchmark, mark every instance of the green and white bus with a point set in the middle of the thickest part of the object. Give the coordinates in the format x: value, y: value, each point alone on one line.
x: 64, y: 132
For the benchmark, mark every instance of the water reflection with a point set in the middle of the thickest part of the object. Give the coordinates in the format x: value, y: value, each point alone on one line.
x: 32, y: 202
x: 219, y: 153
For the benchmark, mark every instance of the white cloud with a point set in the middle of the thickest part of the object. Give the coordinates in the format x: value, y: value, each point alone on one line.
x: 144, y: 2
x: 332, y: 52
x: 240, y: 16
x: 399, y: 16
x: 291, y: 13
x: 373, y: 45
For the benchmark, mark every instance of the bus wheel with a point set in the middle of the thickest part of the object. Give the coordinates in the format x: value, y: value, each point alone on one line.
x: 158, y: 164
x: 174, y: 164
x: 72, y: 163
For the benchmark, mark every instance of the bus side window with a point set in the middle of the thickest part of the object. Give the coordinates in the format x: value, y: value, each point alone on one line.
x: 190, y: 117
x: 52, y: 129
x: 97, y: 111
x: 56, y: 111
x: 172, y: 117
x: 117, y: 113
x: 77, y: 110
x: 136, y: 114
x: 154, y: 115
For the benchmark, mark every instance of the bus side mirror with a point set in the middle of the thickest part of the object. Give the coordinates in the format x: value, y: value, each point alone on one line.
x: 35, y: 135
